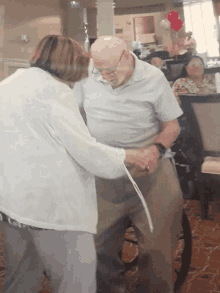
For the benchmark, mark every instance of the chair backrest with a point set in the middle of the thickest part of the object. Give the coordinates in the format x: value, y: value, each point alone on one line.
x: 175, y: 67
x: 161, y: 54
x: 176, y: 70
x: 203, y: 116
x: 184, y: 57
x: 204, y: 57
x: 212, y: 70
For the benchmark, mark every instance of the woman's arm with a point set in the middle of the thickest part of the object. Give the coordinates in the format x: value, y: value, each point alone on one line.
x: 176, y: 90
x: 100, y: 160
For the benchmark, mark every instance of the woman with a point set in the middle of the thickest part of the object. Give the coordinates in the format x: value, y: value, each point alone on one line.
x: 192, y: 79
x: 47, y: 190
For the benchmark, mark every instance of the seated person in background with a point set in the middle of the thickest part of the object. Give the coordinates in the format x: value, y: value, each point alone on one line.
x: 159, y: 63
x: 192, y: 79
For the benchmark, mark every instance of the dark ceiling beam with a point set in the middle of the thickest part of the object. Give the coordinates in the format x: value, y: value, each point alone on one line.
x: 127, y: 3
x: 139, y: 10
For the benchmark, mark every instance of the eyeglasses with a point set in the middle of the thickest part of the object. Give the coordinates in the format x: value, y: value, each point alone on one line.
x: 110, y: 71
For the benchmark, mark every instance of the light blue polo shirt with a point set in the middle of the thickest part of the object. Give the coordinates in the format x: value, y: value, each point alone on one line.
x: 129, y: 116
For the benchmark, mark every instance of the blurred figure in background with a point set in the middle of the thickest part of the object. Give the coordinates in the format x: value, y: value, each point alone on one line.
x: 157, y: 62
x: 190, y: 43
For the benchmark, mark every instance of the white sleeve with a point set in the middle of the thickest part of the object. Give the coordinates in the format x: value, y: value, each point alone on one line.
x: 100, y: 160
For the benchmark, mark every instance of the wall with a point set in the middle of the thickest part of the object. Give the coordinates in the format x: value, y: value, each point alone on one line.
x: 126, y: 22
x: 92, y: 13
x: 126, y: 12
x: 33, y: 18
x: 2, y: 14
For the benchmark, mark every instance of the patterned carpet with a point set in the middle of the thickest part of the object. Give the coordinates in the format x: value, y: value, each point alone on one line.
x: 204, y: 273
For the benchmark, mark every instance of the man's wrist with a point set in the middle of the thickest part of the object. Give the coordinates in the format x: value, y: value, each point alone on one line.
x: 155, y: 151
x: 161, y: 148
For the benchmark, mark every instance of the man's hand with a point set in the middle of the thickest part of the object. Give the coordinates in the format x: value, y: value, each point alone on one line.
x: 153, y: 155
x: 144, y: 158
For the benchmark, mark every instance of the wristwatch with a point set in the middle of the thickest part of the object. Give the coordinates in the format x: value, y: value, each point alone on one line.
x: 161, y: 148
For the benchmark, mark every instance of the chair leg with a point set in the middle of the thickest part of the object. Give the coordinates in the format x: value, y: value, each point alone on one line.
x: 204, y: 201
x: 186, y: 255
x: 205, y: 208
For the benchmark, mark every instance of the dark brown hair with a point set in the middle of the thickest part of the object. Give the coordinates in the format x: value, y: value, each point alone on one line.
x: 62, y: 57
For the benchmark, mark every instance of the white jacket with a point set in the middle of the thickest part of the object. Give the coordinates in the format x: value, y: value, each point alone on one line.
x: 48, y: 157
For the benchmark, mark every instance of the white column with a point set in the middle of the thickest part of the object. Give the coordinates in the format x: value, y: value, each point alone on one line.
x: 105, y: 17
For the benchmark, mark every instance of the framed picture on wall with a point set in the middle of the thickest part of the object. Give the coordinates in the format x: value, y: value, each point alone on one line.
x: 144, y: 29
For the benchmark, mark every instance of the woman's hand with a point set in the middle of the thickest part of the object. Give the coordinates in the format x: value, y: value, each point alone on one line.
x: 143, y: 158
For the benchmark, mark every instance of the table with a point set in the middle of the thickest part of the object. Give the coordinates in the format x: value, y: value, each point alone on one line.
x: 211, y: 70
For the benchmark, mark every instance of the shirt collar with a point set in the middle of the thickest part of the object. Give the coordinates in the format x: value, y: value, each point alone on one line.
x: 140, y: 69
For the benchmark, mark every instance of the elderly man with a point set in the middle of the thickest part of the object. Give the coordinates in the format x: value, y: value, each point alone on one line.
x: 129, y: 103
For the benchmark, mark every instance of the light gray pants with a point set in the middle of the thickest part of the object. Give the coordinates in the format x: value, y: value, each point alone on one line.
x: 67, y: 258
x: 118, y: 204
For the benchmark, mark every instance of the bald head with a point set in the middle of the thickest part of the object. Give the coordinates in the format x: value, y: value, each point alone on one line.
x: 112, y: 59
x: 107, y: 50
x: 157, y: 62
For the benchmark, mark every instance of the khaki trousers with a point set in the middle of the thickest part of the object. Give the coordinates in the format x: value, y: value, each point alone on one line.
x: 118, y: 204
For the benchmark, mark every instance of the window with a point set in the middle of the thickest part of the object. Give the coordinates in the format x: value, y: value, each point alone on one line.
x: 199, y: 18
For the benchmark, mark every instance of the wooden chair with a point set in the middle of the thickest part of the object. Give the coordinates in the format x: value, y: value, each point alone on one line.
x: 186, y: 256
x: 201, y: 140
